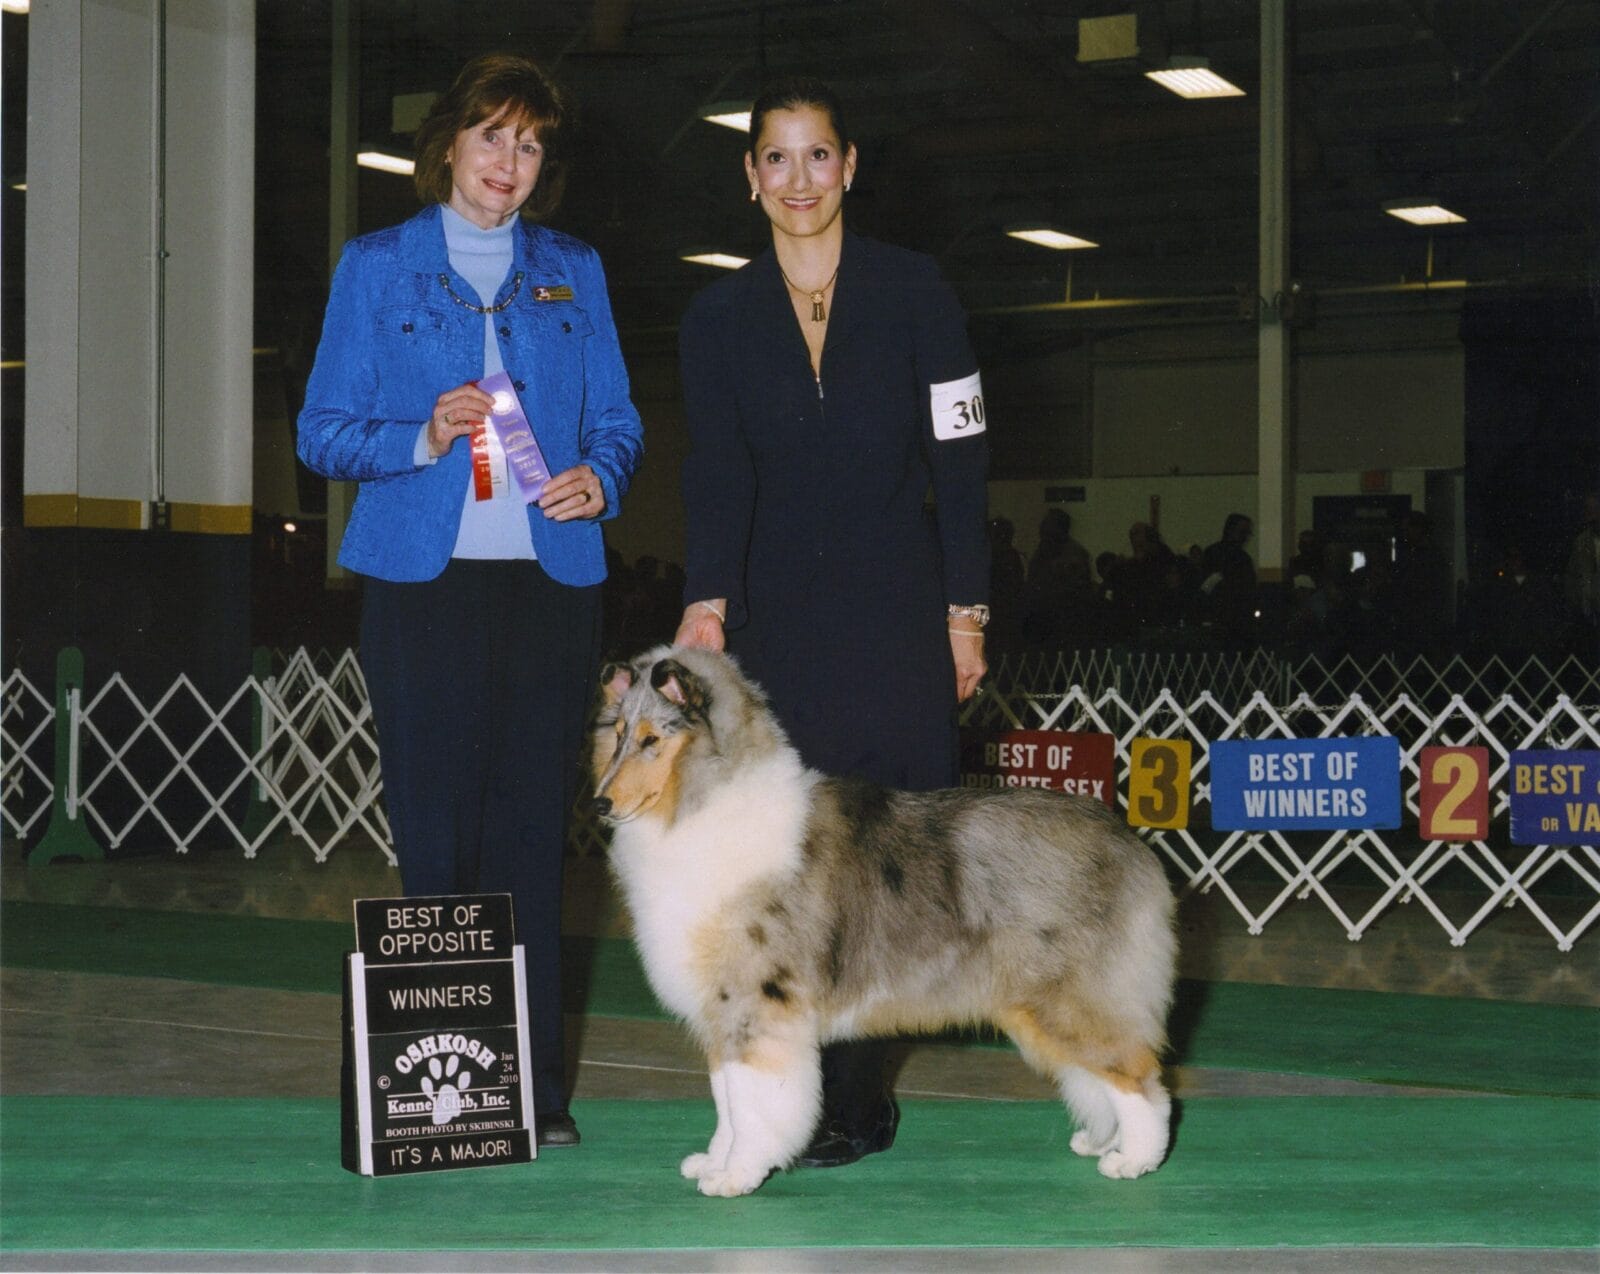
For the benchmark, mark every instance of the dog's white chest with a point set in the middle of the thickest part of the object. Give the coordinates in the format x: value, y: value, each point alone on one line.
x: 678, y: 880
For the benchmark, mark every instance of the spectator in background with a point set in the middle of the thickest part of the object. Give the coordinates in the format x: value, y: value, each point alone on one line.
x: 1008, y: 582
x: 1370, y: 631
x: 1228, y: 580
x: 1144, y: 580
x: 1422, y: 595
x: 1113, y: 619
x: 1323, y: 617
x: 651, y: 606
x: 1305, y: 567
x: 1582, y: 581
x: 1058, y: 583
x: 1519, y: 615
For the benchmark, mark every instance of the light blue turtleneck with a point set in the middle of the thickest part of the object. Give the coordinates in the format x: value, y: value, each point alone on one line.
x: 489, y: 528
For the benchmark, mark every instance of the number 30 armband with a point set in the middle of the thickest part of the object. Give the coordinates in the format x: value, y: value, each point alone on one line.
x: 957, y: 408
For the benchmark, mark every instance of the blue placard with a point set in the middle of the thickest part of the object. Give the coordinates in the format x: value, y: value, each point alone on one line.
x: 1555, y: 798
x: 1305, y: 784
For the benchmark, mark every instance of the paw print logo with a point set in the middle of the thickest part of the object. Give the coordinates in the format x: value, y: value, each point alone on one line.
x: 443, y: 1086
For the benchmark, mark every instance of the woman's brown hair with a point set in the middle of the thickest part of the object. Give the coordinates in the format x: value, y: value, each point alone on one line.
x: 496, y: 86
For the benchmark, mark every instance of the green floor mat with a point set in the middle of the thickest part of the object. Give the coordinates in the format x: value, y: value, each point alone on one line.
x: 150, y: 1174
x: 1483, y: 1045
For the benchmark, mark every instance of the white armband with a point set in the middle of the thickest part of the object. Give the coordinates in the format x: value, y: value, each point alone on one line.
x: 957, y: 408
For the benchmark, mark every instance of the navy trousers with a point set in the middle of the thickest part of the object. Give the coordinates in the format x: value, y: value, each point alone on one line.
x: 480, y: 682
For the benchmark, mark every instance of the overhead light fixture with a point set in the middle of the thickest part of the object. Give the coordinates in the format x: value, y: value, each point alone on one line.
x: 1047, y: 236
x: 1192, y: 77
x: 20, y: 185
x: 14, y: 6
x: 1422, y: 212
x: 734, y: 115
x: 713, y: 256
x: 386, y: 163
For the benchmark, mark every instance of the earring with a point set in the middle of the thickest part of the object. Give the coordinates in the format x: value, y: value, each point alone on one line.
x: 847, y: 187
x: 753, y: 196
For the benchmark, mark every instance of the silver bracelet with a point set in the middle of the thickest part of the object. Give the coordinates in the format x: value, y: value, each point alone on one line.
x: 721, y: 618
x: 979, y: 613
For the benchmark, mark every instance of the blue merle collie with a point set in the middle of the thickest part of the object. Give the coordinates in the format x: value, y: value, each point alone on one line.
x: 777, y: 910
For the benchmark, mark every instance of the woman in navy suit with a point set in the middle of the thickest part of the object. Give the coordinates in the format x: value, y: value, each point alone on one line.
x: 829, y: 386
x: 480, y: 612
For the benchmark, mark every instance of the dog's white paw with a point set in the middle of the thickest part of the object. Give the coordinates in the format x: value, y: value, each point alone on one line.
x: 1120, y: 1166
x: 730, y: 1183
x: 1089, y: 1146
x: 696, y: 1166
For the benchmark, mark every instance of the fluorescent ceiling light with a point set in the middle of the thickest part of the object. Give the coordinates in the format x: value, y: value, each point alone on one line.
x: 19, y: 185
x: 386, y: 163
x: 711, y: 256
x: 1049, y: 237
x: 735, y: 115
x: 1422, y: 212
x: 1192, y: 77
x: 14, y: 6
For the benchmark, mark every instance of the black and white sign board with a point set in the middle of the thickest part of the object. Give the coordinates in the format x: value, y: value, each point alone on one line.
x: 436, y: 1037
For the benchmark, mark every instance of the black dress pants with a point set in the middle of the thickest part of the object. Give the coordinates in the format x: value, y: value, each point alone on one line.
x: 480, y: 682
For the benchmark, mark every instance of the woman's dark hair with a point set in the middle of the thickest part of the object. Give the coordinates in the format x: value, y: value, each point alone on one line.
x: 790, y: 93
x: 496, y: 86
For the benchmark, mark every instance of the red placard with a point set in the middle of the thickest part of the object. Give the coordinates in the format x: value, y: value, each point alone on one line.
x: 1454, y: 796
x: 1058, y: 760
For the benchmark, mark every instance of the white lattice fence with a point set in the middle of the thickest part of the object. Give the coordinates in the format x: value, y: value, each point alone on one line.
x: 1233, y: 676
x: 27, y: 720
x: 294, y: 755
x: 318, y: 757
x: 1435, y: 680
x: 1355, y: 875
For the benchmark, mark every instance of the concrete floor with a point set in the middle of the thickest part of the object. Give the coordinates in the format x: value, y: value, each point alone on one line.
x: 159, y: 1037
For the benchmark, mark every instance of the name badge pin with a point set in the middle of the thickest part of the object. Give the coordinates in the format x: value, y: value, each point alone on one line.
x: 559, y: 293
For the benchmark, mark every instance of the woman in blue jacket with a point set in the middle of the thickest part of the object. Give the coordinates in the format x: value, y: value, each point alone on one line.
x: 829, y: 388
x: 480, y: 613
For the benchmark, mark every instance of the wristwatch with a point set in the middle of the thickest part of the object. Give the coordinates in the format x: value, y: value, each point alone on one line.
x: 978, y: 614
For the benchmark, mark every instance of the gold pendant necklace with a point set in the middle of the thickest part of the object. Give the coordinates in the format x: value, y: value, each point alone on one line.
x: 818, y: 313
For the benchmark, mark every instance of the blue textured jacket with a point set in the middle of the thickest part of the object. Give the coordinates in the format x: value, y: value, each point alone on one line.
x: 393, y: 340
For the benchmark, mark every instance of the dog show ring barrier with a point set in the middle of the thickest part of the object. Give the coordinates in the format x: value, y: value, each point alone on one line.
x: 292, y: 753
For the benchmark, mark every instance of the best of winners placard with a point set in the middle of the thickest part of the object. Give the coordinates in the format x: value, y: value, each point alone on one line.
x: 436, y: 1037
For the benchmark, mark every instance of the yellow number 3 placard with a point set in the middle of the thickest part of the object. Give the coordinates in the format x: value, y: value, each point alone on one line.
x: 1158, y: 783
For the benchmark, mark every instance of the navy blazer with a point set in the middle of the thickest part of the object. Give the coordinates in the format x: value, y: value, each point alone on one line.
x: 805, y: 495
x: 393, y: 340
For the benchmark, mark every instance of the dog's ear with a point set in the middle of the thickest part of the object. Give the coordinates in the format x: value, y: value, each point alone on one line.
x: 677, y: 685
x: 614, y: 681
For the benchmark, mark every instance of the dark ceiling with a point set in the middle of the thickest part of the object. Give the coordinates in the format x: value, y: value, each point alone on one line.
x: 971, y: 115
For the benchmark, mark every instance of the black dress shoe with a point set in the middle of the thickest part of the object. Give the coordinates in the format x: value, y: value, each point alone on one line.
x: 837, y: 1144
x: 556, y: 1129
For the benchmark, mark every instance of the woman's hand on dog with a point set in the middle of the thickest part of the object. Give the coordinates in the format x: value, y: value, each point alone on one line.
x: 701, y: 625
x: 456, y: 413
x: 966, y: 648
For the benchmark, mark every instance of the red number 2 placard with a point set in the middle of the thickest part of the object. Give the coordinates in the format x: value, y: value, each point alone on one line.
x: 1454, y: 796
